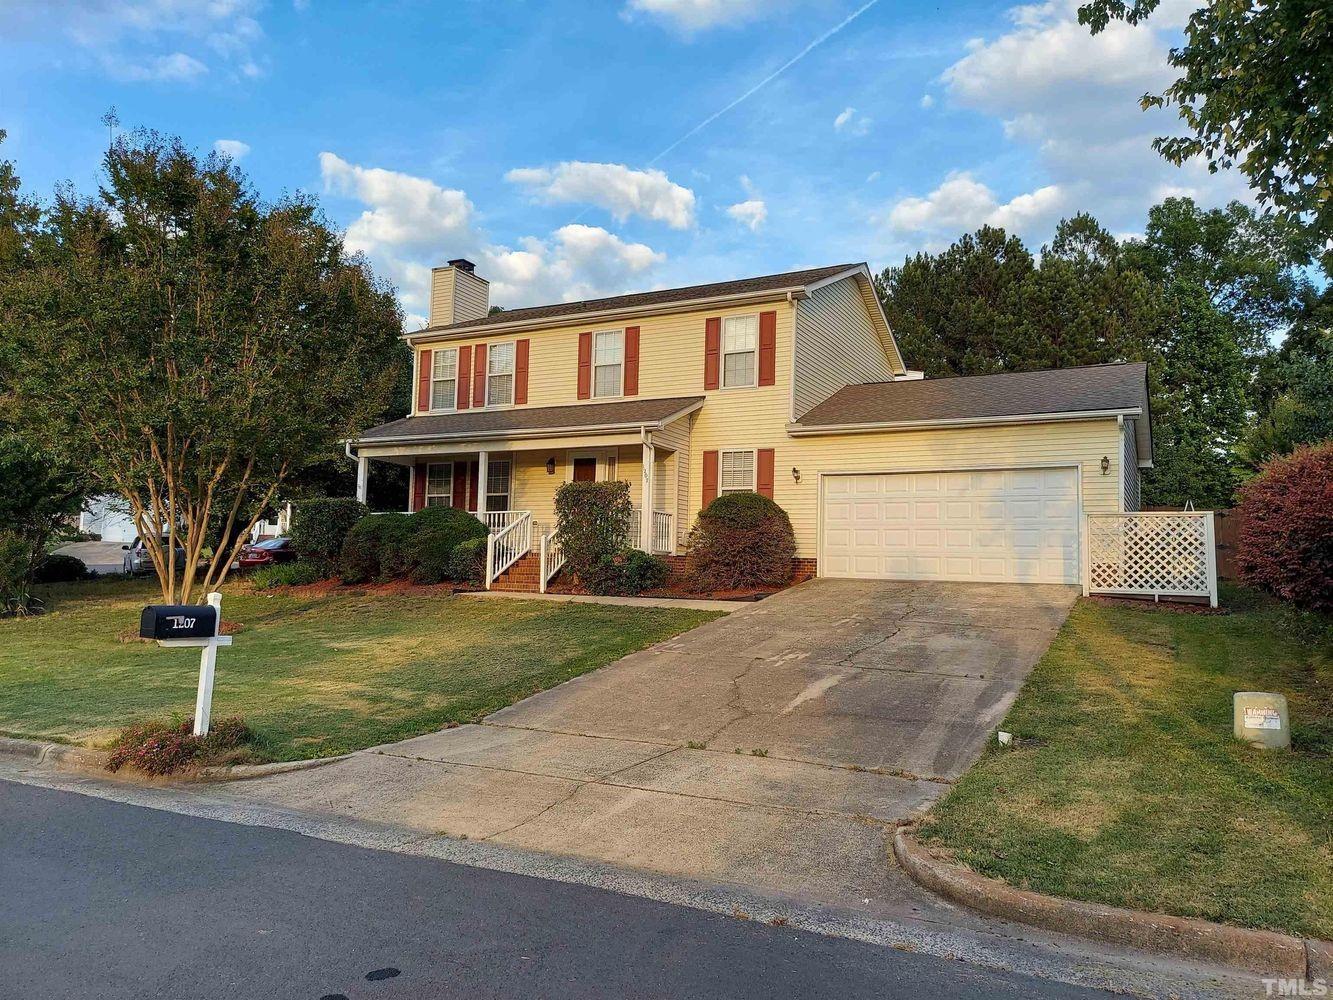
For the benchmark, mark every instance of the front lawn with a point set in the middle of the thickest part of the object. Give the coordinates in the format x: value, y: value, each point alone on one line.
x: 314, y: 674
x: 1127, y: 788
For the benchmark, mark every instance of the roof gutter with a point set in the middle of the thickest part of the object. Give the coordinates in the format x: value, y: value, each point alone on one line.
x: 574, y: 319
x: 815, y: 430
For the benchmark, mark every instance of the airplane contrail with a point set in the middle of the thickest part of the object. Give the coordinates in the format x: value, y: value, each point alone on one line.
x: 768, y: 79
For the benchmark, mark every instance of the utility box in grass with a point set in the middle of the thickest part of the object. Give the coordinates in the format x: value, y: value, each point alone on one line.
x: 1261, y: 720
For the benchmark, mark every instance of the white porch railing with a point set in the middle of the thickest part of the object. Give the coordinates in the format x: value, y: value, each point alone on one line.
x: 552, y: 560
x: 508, y: 545
x: 663, y: 527
x: 1157, y: 554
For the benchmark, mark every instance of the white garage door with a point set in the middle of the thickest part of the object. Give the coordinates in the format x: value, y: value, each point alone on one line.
x: 994, y: 526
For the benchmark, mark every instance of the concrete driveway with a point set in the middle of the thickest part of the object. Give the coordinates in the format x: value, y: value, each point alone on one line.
x: 776, y: 747
x: 100, y: 557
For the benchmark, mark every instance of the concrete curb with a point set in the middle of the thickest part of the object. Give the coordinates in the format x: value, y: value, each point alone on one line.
x: 1265, y: 952
x: 64, y: 757
x: 688, y: 603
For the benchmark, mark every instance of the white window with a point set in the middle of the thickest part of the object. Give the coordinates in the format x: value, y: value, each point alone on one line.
x: 500, y: 375
x: 440, y: 484
x: 608, y: 367
x: 444, y: 380
x: 497, y: 485
x: 736, y: 473
x: 740, y: 350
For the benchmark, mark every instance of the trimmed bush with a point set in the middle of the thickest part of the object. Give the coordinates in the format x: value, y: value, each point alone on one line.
x: 592, y: 520
x: 741, y: 540
x: 290, y: 574
x: 320, y: 527
x: 467, y: 563
x: 15, y: 559
x: 627, y: 573
x: 56, y: 568
x: 437, y: 532
x: 374, y: 547
x: 1286, y: 534
x: 164, y: 747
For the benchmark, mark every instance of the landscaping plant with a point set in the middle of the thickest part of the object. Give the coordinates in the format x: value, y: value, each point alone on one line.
x: 467, y: 562
x: 159, y: 748
x: 436, y: 533
x: 374, y: 548
x: 291, y: 574
x: 56, y: 568
x: 592, y: 522
x: 320, y: 526
x: 627, y: 573
x: 741, y: 540
x: 1286, y: 535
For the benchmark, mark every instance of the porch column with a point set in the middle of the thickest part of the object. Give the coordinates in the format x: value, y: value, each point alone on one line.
x: 646, y: 502
x: 362, y: 477
x: 482, y: 461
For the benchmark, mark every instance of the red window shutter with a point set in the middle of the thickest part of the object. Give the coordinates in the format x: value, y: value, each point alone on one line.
x: 464, y: 377
x: 479, y: 375
x: 460, y: 483
x: 472, y: 485
x: 631, y: 361
x: 585, y: 365
x: 763, y: 477
x: 419, y: 487
x: 521, y: 372
x: 710, y: 477
x: 768, y: 348
x: 423, y: 380
x: 712, y: 352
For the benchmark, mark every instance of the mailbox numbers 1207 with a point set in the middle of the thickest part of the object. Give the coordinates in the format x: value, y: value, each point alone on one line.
x: 180, y: 621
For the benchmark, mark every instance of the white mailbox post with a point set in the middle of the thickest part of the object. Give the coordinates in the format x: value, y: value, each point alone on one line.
x: 197, y: 627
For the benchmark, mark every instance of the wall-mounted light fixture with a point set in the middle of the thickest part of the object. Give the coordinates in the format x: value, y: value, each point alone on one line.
x: 1106, y: 465
x: 550, y: 466
x: 796, y: 474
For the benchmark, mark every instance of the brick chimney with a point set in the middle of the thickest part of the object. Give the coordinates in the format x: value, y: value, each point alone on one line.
x: 457, y: 295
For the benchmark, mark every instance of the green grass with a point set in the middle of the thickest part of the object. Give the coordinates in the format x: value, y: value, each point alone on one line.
x: 313, y: 675
x: 1127, y: 787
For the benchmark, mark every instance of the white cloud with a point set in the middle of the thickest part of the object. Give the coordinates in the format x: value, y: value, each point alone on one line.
x: 751, y: 213
x: 1073, y: 98
x: 410, y: 224
x: 873, y: 176
x: 175, y: 68
x: 851, y: 123
x: 690, y: 16
x: 233, y: 149
x: 927, y: 101
x: 962, y: 203
x: 615, y: 187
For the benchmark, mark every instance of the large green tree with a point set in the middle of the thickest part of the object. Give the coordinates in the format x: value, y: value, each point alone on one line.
x: 1254, y: 92
x: 197, y: 347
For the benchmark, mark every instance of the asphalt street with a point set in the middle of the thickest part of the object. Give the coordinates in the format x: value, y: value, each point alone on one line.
x: 104, y: 900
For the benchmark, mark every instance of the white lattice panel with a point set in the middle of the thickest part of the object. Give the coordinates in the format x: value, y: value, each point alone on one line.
x: 1159, y: 554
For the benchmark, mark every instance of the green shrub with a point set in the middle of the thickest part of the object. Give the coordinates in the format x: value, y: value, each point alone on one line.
x: 57, y: 568
x: 374, y: 548
x: 15, y: 564
x: 163, y: 747
x: 320, y: 527
x: 592, y: 520
x: 288, y: 574
x: 741, y: 540
x: 437, y: 532
x: 467, y: 563
x: 627, y: 573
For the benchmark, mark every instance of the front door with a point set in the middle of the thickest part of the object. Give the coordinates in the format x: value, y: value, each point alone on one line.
x: 585, y: 470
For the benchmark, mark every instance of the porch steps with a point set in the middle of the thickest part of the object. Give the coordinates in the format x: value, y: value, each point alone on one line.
x: 523, y: 577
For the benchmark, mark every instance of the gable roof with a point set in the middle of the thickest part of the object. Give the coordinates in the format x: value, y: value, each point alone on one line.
x: 536, y: 421
x: 1107, y: 389
x: 640, y: 300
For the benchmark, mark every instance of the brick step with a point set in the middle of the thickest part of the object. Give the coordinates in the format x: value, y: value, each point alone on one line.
x: 522, y: 577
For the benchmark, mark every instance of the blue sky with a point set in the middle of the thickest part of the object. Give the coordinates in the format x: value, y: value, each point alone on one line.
x: 571, y: 148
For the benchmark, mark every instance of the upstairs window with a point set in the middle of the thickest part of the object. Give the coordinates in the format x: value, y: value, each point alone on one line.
x: 500, y: 375
x: 444, y: 379
x: 740, y: 350
x: 440, y: 484
x: 608, y: 363
x: 736, y: 471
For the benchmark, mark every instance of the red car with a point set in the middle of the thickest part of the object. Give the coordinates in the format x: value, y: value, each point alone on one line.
x: 266, y: 553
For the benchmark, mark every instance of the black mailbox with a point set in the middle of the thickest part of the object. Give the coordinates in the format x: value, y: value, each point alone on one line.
x: 178, y: 621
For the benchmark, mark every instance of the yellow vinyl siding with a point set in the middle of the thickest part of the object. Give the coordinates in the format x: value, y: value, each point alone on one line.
x: 836, y: 345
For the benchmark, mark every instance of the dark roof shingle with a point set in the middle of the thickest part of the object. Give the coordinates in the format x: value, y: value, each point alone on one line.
x: 483, y: 423
x: 767, y: 282
x: 1063, y: 390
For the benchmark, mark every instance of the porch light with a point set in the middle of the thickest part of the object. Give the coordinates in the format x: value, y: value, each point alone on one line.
x: 1106, y: 465
x: 550, y: 466
x: 796, y: 474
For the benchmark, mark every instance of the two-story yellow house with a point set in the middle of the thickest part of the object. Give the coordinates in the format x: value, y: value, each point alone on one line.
x: 790, y: 385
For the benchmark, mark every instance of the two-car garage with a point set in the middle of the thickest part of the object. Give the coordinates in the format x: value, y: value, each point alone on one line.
x: 983, y: 525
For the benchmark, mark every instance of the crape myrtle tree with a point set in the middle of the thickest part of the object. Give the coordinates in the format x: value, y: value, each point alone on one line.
x: 198, y: 347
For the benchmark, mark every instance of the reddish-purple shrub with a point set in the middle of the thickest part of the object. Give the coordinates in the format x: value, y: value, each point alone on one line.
x: 164, y: 747
x: 1286, y: 533
x: 741, y: 540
